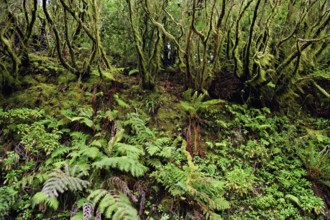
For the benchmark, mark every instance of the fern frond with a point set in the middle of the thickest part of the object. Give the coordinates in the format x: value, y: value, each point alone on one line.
x: 7, y: 198
x: 187, y: 94
x: 113, y: 204
x: 41, y: 197
x: 152, y: 149
x: 60, y: 181
x: 143, y: 133
x: 154, y: 162
x: 116, y: 139
x: 172, y: 178
x: 167, y: 152
x: 120, y: 102
x: 293, y: 198
x: 60, y: 151
x: 79, y: 137
x: 88, y: 122
x: 77, y: 216
x: 317, y: 163
x: 90, y: 152
x: 209, y: 103
x: 123, y: 163
x: 88, y: 211
x: 188, y: 107
x: 122, y: 186
x: 129, y: 150
x: 194, y: 104
x: 221, y: 203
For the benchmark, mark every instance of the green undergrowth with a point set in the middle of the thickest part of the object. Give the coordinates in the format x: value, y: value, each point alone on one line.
x: 124, y: 153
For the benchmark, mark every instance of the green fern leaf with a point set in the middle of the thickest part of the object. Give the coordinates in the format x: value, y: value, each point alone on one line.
x: 187, y: 94
x: 152, y: 149
x: 41, y: 197
x: 120, y: 102
x: 154, y: 162
x: 114, y: 205
x: 129, y: 150
x: 60, y: 151
x: 188, y: 107
x: 133, y: 71
x: 7, y: 199
x: 91, y: 152
x: 116, y: 139
x: 84, y: 120
x: 292, y: 198
x: 122, y: 186
x: 106, y: 202
x: 123, y: 163
x: 221, y: 203
x: 209, y: 103
x: 166, y: 152
x: 77, y: 216
x: 60, y: 181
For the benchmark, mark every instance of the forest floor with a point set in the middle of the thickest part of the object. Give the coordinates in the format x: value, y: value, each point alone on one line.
x: 270, y: 165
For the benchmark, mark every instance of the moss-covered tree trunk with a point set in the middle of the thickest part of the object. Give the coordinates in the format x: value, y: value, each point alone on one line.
x: 146, y: 75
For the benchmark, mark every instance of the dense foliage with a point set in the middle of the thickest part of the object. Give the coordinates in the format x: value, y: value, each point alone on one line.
x: 167, y: 109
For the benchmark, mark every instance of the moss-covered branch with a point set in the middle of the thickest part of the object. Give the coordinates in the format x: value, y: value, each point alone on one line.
x: 9, y: 49
x: 57, y: 38
x: 147, y: 79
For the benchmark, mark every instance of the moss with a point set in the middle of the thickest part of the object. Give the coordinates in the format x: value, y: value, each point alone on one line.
x: 49, y: 96
x: 170, y: 117
x: 6, y: 79
x: 40, y: 94
x: 41, y: 78
x: 46, y: 66
x: 29, y: 80
x: 160, y: 106
x: 66, y: 77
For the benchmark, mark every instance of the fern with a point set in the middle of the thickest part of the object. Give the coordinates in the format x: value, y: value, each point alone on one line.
x: 114, y: 140
x: 120, y: 102
x: 113, y: 204
x: 123, y: 163
x: 154, y: 147
x: 90, y: 152
x: 293, y: 199
x: 88, y: 211
x: 7, y: 198
x: 189, y: 181
x: 194, y: 103
x: 143, y: 133
x: 84, y: 116
x: 207, y: 192
x: 147, y: 138
x: 123, y: 149
x: 20, y: 115
x: 122, y: 186
x: 59, y: 182
x: 79, y: 137
x: 172, y: 178
x: 129, y: 150
x: 317, y: 163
